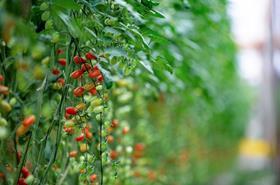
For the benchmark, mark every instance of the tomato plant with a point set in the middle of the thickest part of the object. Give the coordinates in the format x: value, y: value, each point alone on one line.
x: 116, y: 92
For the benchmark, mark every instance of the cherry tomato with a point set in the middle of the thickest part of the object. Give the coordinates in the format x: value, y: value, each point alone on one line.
x: 79, y: 91
x: 80, y: 138
x: 90, y: 56
x: 55, y: 71
x: 76, y: 74
x: 93, y: 178
x: 62, y: 61
x: 71, y: 110
x: 28, y: 121
x: 25, y: 172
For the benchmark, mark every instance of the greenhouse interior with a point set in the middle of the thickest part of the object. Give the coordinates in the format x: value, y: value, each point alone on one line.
x: 139, y: 92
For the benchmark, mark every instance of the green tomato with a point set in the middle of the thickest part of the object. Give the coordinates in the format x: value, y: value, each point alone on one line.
x: 45, y: 16
x: 96, y: 102
x: 98, y: 109
x: 55, y: 37
x: 99, y: 87
x: 44, y: 6
x: 49, y: 24
x: 13, y: 101
x: 3, y: 122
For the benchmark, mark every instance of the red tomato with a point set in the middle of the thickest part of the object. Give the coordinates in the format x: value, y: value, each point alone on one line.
x: 114, y: 155
x: 139, y: 147
x: 93, y: 177
x: 76, y: 74
x: 21, y: 181
x: 90, y: 56
x: 80, y: 138
x: 1, y: 78
x: 28, y: 121
x: 93, y: 73
x: 76, y: 59
x: 93, y: 91
x: 125, y: 130
x: 55, y: 71
x: 59, y: 51
x: 71, y: 110
x: 62, y: 61
x: 25, y: 172
x: 100, y: 78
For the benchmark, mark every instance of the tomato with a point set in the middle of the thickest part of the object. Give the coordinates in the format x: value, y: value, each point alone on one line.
x: 1, y: 78
x: 85, y: 67
x: 88, y: 135
x: 139, y: 147
x: 125, y: 130
x: 71, y: 110
x: 90, y: 56
x: 73, y: 153
x: 61, y: 81
x: 55, y: 71
x: 89, y: 86
x: 100, y: 78
x: 110, y: 139
x: 115, y: 123
x: 62, y: 61
x: 25, y: 172
x: 21, y: 181
x: 4, y: 90
x: 93, y: 178
x: 114, y: 155
x: 81, y: 106
x: 28, y: 121
x: 76, y: 74
x: 80, y: 138
x: 79, y: 91
x: 93, y: 73
x: 93, y: 91
x: 69, y: 130
x: 77, y: 59
x: 83, y: 147
x: 21, y: 130
x: 59, y: 51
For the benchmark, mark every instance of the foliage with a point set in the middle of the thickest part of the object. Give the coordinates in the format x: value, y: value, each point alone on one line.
x: 117, y: 92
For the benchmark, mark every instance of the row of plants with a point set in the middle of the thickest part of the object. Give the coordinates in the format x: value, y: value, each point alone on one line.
x: 117, y: 92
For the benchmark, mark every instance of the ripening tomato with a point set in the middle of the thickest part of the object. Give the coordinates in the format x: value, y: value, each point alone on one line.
x: 110, y: 139
x: 25, y: 172
x: 4, y: 90
x: 139, y: 147
x: 79, y: 91
x: 28, y: 121
x: 115, y: 123
x: 90, y: 56
x: 88, y: 135
x: 81, y: 106
x: 83, y: 147
x: 76, y: 74
x: 93, y: 178
x: 73, y: 153
x: 61, y: 81
x: 69, y: 130
x: 55, y: 71
x: 62, y: 61
x: 114, y: 155
x: 21, y: 130
x: 89, y: 86
x: 80, y: 138
x: 125, y: 130
x: 71, y: 110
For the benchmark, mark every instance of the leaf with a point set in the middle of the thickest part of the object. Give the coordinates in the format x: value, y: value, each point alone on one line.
x: 147, y: 66
x: 162, y: 64
x: 116, y: 52
x: 69, y: 4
